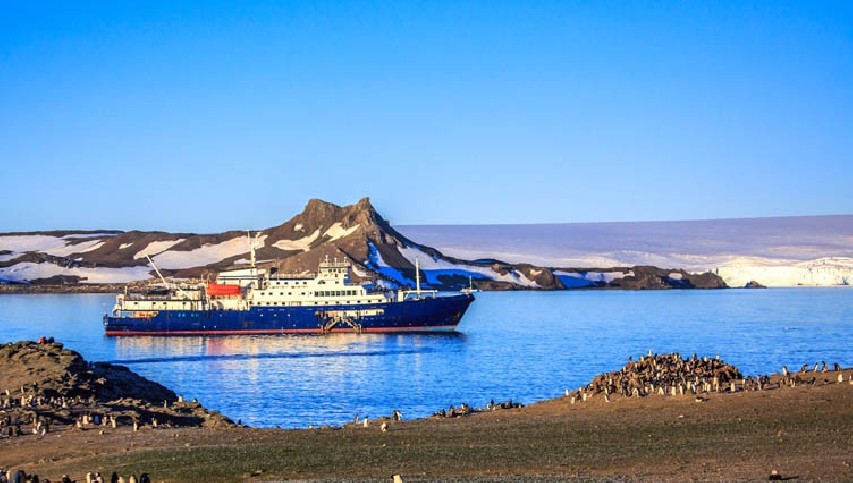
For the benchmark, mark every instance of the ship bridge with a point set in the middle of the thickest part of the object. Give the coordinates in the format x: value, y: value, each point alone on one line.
x: 334, y: 272
x: 331, y: 285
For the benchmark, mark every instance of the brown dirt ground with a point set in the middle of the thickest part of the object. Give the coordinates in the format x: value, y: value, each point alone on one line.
x: 803, y: 432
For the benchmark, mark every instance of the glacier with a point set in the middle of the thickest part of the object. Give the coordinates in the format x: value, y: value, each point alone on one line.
x: 774, y: 251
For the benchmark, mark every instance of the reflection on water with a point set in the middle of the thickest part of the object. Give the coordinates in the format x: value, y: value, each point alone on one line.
x: 270, y: 346
x: 244, y: 348
x: 524, y: 346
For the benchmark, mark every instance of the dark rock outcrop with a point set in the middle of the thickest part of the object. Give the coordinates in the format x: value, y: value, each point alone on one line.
x: 46, y: 382
x: 654, y: 278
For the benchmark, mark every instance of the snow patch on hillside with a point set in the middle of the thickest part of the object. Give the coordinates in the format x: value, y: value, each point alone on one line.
x: 25, y: 272
x: 435, y: 267
x: 156, y: 247
x: 93, y: 247
x: 378, y: 264
x: 31, y: 243
x: 125, y: 245
x: 359, y: 272
x: 302, y: 244
x: 82, y: 247
x: 338, y: 231
x: 207, y: 254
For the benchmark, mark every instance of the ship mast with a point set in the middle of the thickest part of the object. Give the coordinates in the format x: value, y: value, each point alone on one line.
x: 417, y: 278
x: 251, y: 249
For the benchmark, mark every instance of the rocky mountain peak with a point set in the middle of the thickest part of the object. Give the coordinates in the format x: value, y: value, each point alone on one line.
x: 325, y: 229
x: 319, y: 212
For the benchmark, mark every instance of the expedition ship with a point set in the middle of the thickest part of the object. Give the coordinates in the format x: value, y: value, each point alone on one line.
x: 259, y: 301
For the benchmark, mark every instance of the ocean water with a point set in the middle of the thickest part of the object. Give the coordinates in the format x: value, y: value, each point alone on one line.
x: 524, y: 346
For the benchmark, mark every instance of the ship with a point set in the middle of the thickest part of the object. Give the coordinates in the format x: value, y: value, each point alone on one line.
x: 260, y: 301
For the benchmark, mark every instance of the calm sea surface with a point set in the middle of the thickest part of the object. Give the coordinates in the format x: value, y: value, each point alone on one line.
x: 524, y: 346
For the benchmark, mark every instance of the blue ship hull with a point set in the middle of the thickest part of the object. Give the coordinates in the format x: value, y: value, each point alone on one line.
x: 440, y: 314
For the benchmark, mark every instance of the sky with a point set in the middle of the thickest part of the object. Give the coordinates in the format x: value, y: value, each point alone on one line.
x: 207, y: 116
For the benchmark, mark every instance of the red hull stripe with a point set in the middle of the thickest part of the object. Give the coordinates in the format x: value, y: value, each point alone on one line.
x: 373, y: 330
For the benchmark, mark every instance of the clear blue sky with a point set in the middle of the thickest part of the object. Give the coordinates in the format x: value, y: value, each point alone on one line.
x: 205, y: 116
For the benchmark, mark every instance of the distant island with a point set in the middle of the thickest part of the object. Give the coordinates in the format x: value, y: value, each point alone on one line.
x: 106, y: 260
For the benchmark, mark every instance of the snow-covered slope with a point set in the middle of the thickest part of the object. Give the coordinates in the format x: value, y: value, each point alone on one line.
x: 773, y: 251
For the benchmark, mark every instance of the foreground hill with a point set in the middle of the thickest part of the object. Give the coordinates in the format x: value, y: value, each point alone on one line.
x: 356, y: 233
x: 801, y: 430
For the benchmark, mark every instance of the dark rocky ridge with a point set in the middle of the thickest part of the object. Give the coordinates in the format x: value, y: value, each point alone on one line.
x: 356, y: 233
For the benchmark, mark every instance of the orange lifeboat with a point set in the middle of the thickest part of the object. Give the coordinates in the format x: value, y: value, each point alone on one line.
x: 223, y: 289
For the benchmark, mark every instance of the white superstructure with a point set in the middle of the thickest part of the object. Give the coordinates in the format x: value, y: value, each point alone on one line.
x: 330, y: 286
